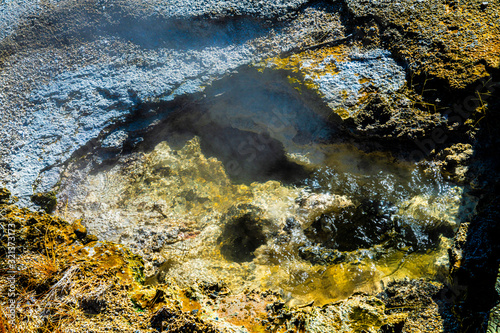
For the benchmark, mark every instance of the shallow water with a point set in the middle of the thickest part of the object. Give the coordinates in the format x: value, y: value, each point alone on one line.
x: 245, y: 188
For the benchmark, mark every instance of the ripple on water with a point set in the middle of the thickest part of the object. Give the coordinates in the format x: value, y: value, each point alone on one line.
x: 358, y: 220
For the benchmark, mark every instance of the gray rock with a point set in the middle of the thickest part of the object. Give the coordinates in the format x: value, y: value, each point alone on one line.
x: 65, y: 87
x: 12, y: 12
x: 377, y: 64
x: 57, y: 98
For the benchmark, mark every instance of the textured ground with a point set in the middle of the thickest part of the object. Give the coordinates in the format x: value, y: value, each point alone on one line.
x: 74, y: 69
x: 70, y: 70
x: 413, y: 76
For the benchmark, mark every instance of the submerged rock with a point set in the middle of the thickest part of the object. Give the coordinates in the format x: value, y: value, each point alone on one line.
x: 314, y: 205
x: 181, y: 210
x: 367, y: 224
x: 318, y: 254
x: 405, y: 306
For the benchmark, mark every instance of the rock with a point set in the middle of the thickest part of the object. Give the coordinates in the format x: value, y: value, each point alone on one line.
x: 426, y: 211
x: 81, y: 232
x: 148, y: 297
x: 497, y: 284
x: 4, y: 195
x: 97, y: 73
x: 456, y: 251
x: 480, y: 256
x: 494, y: 316
x: 87, y: 96
x: 364, y: 87
x: 340, y: 235
x: 47, y: 201
x: 494, y: 320
x: 363, y: 226
x: 79, y: 229
x: 103, y: 278
x: 321, y: 255
x: 33, y: 231
x: 57, y: 271
x: 405, y: 306
x: 393, y: 117
x: 416, y: 298
x: 61, y: 94
x: 357, y: 313
x: 178, y: 322
x: 93, y: 304
x: 454, y: 161
x: 343, y: 74
x: 428, y: 36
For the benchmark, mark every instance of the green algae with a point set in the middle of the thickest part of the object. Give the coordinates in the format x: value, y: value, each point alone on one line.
x: 47, y: 201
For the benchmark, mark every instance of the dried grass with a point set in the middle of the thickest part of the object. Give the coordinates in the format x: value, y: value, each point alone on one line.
x: 5, y: 326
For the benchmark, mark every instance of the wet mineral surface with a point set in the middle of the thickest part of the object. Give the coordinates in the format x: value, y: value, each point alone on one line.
x: 225, y: 194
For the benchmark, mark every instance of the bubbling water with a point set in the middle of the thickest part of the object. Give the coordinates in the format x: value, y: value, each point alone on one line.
x: 220, y: 192
x: 358, y: 220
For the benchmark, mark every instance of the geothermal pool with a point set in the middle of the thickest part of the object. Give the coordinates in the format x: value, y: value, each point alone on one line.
x: 255, y: 184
